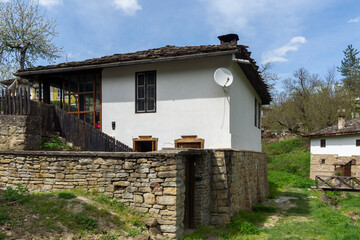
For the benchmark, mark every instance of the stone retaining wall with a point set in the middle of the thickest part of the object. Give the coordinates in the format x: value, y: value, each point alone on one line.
x: 20, y: 132
x: 226, y: 181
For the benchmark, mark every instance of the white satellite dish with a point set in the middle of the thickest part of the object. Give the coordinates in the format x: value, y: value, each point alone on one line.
x: 223, y: 77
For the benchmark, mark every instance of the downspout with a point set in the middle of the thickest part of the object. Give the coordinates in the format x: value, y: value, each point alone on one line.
x: 238, y: 60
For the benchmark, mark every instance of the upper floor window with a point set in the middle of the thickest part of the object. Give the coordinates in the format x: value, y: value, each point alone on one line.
x: 145, y: 92
x: 323, y: 143
x: 256, y: 113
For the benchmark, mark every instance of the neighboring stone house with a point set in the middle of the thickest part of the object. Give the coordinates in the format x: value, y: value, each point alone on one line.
x: 335, y: 150
x: 164, y: 97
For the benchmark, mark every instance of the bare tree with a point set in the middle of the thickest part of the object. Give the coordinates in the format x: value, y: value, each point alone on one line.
x: 310, y: 103
x: 269, y: 77
x: 25, y: 34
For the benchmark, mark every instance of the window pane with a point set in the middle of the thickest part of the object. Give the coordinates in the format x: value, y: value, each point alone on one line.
x: 150, y: 105
x: 141, y: 79
x: 97, y: 101
x: 89, y: 117
x: 141, y: 92
x: 140, y: 105
x: 86, y: 102
x: 151, y: 92
x: 151, y: 78
x: 73, y: 103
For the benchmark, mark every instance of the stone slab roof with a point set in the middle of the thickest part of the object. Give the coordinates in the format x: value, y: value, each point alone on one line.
x: 167, y: 53
x: 351, y: 127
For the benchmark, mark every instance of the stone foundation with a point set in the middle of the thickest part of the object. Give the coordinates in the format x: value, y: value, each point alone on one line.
x: 20, y: 132
x: 226, y: 181
x: 318, y: 168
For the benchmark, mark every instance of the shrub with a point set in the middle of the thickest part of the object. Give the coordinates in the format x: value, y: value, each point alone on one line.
x: 21, y: 194
x: 66, y: 195
x: 52, y: 143
x: 247, y: 228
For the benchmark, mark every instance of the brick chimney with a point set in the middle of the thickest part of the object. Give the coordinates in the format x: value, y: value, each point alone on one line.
x: 341, y: 122
x: 231, y: 38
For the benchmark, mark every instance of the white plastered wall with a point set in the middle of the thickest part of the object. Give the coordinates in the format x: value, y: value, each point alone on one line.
x: 244, y: 134
x: 341, y: 145
x: 189, y: 102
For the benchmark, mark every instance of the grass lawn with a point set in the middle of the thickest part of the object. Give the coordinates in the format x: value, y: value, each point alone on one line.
x: 294, y: 214
x: 66, y: 215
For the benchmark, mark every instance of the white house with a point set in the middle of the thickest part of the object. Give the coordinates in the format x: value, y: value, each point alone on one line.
x: 335, y: 150
x: 165, y: 97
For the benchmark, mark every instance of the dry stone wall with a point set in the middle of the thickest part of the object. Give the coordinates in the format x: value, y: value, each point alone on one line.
x: 323, y: 164
x: 20, y: 132
x: 239, y: 181
x: 226, y: 181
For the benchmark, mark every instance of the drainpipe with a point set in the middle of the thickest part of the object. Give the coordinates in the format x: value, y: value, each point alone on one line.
x: 245, y: 61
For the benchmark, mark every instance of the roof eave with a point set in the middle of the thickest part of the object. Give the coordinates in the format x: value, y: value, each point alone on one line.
x: 118, y: 64
x: 332, y: 134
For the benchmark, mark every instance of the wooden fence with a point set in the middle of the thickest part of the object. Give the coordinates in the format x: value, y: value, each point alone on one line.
x: 75, y: 130
x: 15, y: 101
x: 337, y: 182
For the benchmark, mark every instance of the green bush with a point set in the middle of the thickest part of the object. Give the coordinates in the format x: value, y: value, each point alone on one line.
x: 284, y: 179
x: 20, y: 194
x: 66, y: 195
x: 52, y: 143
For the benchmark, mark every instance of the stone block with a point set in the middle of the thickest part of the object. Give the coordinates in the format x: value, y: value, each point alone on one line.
x: 138, y: 199
x: 166, y: 200
x: 149, y: 198
x: 170, y: 191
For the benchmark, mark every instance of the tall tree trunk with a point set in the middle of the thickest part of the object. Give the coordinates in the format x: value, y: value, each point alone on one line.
x: 22, y: 57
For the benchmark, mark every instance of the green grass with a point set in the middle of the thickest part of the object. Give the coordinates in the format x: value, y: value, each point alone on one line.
x: 53, y: 214
x: 284, y: 179
x: 310, y: 215
x: 291, y: 156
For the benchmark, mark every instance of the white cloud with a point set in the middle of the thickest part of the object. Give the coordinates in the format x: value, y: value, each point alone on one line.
x: 279, y: 54
x: 50, y: 3
x: 128, y: 7
x: 354, y: 20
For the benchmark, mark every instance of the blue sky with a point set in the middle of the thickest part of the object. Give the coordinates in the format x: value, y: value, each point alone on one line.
x: 290, y: 34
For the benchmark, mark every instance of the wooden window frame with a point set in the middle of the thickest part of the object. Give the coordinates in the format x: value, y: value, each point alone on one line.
x: 357, y: 142
x: 323, y: 143
x: 96, y: 75
x: 146, y: 98
x: 189, y: 139
x: 146, y: 139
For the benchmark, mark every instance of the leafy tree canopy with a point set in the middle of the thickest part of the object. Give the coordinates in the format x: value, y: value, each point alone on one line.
x: 25, y: 35
x: 350, y: 69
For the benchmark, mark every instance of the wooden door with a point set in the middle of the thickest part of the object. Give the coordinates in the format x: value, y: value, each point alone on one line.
x: 189, y: 219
